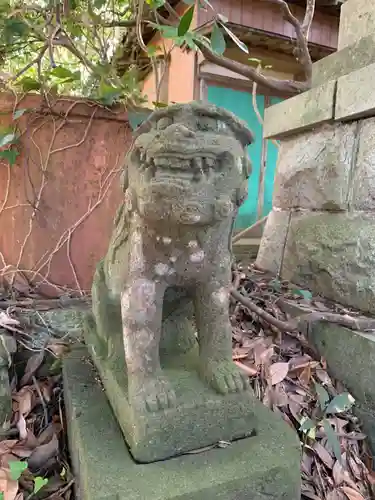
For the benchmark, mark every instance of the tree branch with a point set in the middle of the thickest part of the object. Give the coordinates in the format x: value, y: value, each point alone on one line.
x: 285, y: 86
x: 301, y: 33
x: 37, y: 59
x: 309, y: 16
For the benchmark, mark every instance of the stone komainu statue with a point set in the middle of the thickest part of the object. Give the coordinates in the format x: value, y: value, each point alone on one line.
x: 167, y: 273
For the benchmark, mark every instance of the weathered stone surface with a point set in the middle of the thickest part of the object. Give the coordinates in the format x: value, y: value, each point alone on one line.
x: 166, y: 277
x: 349, y: 59
x: 350, y: 356
x: 357, y: 19
x: 355, y: 94
x: 362, y: 191
x: 266, y: 466
x: 273, y: 240
x: 8, y: 346
x: 201, y: 417
x: 300, y: 112
x: 333, y: 254
x: 313, y: 169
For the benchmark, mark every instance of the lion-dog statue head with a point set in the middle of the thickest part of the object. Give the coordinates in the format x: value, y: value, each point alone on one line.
x: 188, y: 165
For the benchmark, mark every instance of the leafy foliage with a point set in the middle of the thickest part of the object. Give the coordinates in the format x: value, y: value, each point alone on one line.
x: 339, y: 404
x: 74, y: 46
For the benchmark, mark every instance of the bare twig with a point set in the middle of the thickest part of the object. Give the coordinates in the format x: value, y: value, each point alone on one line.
x: 299, y: 323
x: 36, y: 60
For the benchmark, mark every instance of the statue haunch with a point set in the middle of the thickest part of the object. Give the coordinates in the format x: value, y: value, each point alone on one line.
x: 168, y: 266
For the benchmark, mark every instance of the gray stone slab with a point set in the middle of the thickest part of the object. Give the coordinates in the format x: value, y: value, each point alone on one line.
x: 273, y: 240
x: 263, y: 467
x: 344, y: 61
x: 300, y: 112
x: 355, y: 94
x: 314, y: 168
x: 350, y: 357
x: 362, y: 189
x: 357, y: 19
x: 333, y: 254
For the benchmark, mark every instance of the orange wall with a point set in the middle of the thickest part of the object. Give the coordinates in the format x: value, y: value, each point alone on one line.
x: 68, y: 169
x: 179, y: 80
x: 181, y: 76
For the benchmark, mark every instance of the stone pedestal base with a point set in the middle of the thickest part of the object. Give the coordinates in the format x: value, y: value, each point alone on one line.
x: 262, y: 467
x: 201, y: 417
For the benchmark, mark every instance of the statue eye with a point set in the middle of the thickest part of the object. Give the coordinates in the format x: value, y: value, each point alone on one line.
x: 164, y: 122
x: 221, y: 126
x: 207, y: 124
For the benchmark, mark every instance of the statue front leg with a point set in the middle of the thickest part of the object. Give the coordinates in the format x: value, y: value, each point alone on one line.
x: 141, y: 309
x: 215, y: 338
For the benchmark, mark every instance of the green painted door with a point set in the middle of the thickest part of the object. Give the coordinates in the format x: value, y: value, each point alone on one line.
x: 240, y: 103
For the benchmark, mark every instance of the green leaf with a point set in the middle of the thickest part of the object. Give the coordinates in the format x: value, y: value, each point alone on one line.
x: 155, y: 4
x: 236, y: 40
x: 306, y: 424
x: 304, y: 293
x: 108, y: 94
x: 254, y: 59
x: 322, y: 394
x: 99, y: 3
x: 10, y: 155
x: 190, y: 40
x: 16, y: 469
x: 340, y: 403
x: 8, y: 138
x: 152, y: 51
x: 39, y: 483
x: 1, y: 496
x: 159, y: 104
x: 332, y: 439
x: 169, y: 31
x: 217, y: 40
x: 28, y: 84
x: 275, y: 284
x: 189, y: 2
x: 63, y: 73
x: 136, y: 118
x: 185, y: 21
x: 19, y: 112
x: 14, y: 28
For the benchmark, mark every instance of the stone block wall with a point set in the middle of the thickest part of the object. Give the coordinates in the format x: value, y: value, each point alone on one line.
x: 321, y: 231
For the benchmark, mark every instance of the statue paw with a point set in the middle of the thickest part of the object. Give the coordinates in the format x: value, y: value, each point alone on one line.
x: 156, y: 394
x: 225, y: 377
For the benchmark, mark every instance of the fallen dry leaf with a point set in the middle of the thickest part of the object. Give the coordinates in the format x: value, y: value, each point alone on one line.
x: 43, y: 453
x: 352, y: 494
x: 278, y: 371
x: 24, y: 398
x: 7, y: 485
x: 324, y: 455
x: 21, y: 426
x: 33, y: 363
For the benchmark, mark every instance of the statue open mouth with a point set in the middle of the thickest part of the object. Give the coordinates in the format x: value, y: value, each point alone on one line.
x: 164, y: 168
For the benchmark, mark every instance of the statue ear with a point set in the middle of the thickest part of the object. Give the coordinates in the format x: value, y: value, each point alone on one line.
x: 247, y: 166
x: 124, y: 181
x: 241, y: 193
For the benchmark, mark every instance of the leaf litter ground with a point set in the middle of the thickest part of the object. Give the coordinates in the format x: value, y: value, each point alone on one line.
x: 286, y: 374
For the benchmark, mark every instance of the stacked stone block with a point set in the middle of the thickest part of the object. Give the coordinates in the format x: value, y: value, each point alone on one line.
x: 321, y: 231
